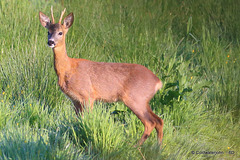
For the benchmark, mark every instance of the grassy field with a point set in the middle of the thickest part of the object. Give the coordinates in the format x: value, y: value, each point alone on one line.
x: 192, y: 46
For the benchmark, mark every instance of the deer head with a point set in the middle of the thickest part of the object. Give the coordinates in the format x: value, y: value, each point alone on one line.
x: 56, y: 31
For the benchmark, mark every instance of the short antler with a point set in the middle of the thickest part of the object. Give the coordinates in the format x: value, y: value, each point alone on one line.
x: 52, y: 15
x: 61, y: 16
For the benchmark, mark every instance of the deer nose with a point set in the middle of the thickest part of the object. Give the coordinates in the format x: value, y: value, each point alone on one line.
x: 50, y: 42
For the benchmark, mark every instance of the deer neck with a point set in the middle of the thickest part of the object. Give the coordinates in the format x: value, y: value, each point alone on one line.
x: 61, y: 60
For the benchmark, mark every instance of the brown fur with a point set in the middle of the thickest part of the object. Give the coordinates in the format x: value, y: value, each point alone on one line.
x: 85, y: 81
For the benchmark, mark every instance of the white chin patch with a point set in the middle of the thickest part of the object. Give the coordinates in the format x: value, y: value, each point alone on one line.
x: 52, y: 46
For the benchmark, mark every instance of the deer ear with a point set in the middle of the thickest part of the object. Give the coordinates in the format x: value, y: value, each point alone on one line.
x: 68, y: 21
x: 45, y: 21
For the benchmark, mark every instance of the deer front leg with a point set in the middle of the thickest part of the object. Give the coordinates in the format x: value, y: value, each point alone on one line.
x: 78, y: 107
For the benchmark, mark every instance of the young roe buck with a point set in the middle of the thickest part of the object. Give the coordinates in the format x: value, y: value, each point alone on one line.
x: 85, y: 81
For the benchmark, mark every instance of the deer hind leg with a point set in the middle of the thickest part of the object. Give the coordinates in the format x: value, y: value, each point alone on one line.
x: 151, y: 121
x: 158, y: 127
x: 149, y: 125
x: 142, y: 110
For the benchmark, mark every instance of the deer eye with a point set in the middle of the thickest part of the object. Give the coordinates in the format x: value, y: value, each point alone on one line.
x: 60, y: 33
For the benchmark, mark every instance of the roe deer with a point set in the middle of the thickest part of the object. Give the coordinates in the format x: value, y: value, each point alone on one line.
x: 85, y: 81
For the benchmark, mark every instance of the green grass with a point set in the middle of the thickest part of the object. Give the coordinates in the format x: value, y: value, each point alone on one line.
x: 193, y: 47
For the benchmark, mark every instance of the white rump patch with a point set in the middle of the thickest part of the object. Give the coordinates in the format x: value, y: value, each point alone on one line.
x: 158, y: 86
